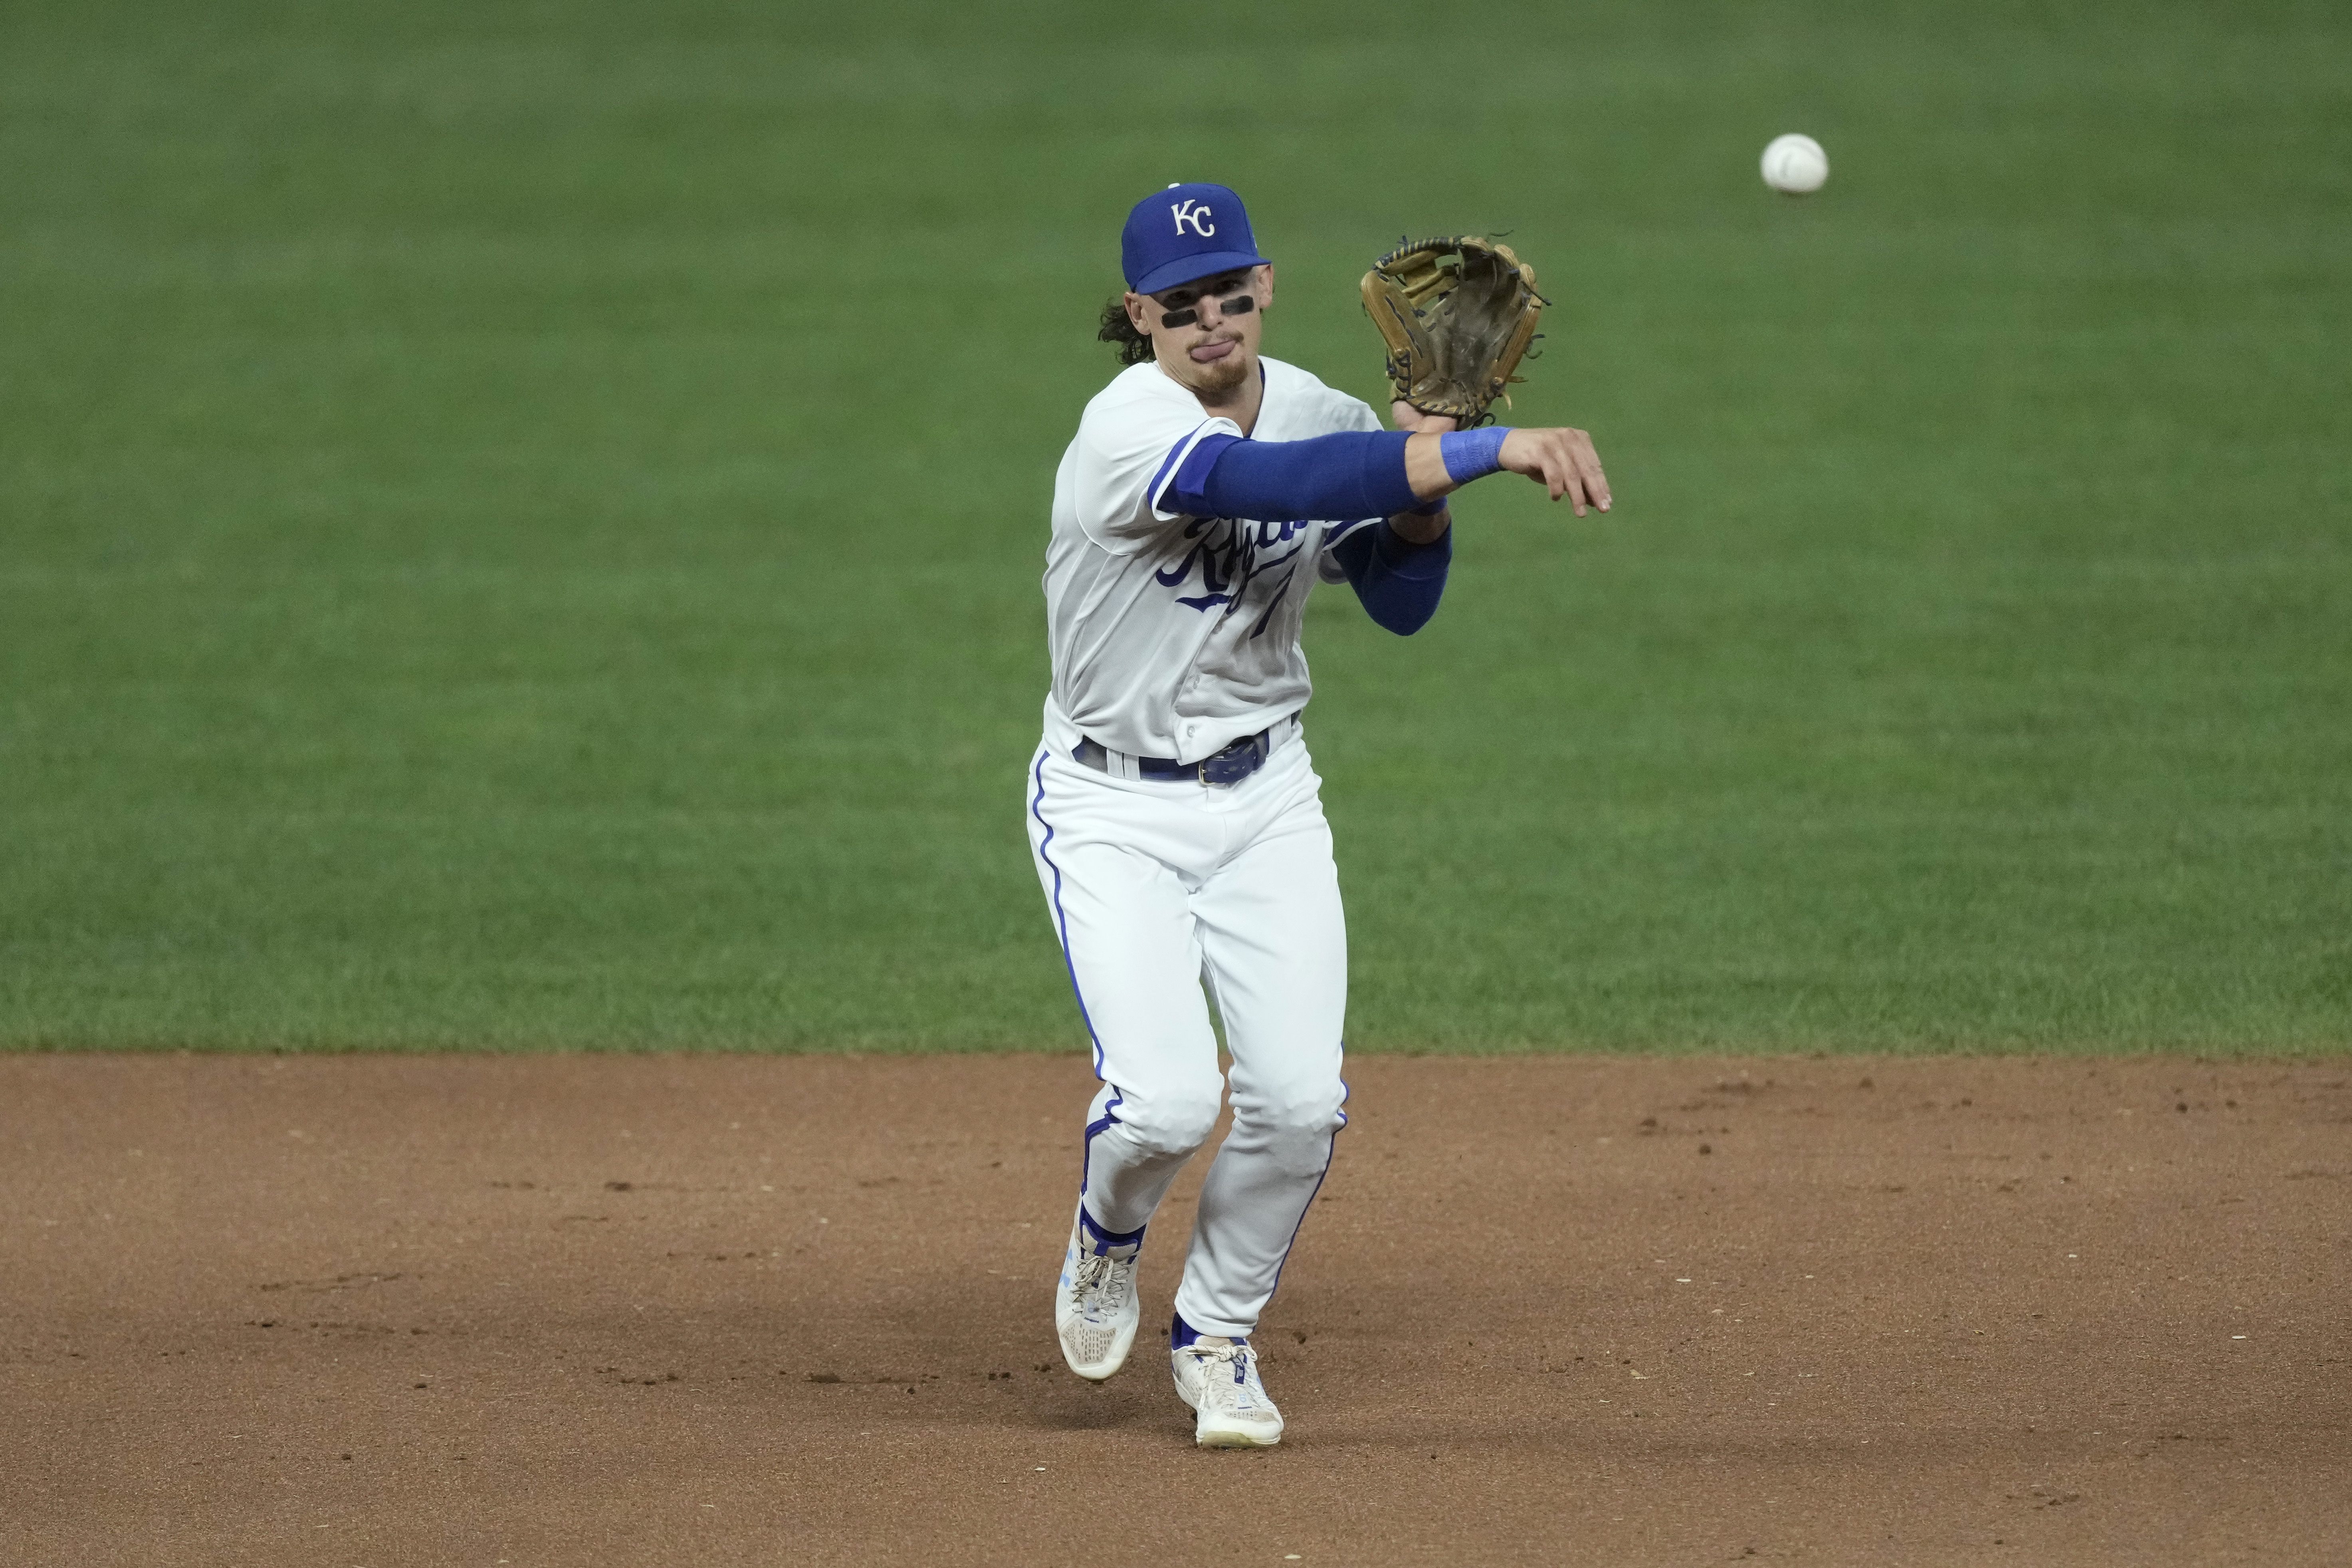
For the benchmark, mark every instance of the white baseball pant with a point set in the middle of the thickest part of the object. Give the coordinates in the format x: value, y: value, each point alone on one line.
x: 1157, y: 888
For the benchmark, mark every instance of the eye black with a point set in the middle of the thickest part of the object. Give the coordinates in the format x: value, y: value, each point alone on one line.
x: 1240, y: 305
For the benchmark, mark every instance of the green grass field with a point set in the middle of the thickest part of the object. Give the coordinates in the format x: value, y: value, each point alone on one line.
x: 519, y: 524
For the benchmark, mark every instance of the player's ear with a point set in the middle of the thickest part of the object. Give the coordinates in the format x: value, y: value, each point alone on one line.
x: 1263, y: 285
x: 1135, y: 304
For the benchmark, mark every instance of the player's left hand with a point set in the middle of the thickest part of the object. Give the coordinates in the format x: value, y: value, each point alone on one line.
x: 1407, y: 417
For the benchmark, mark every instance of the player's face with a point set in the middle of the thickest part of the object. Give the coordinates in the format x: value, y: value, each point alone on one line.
x: 1205, y: 332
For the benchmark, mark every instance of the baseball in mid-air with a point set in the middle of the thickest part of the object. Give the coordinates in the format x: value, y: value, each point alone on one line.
x: 1795, y: 165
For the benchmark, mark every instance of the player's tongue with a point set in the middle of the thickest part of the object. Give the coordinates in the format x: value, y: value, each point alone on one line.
x: 1210, y: 353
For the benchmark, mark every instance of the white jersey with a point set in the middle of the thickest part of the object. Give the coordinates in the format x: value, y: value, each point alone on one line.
x: 1172, y: 635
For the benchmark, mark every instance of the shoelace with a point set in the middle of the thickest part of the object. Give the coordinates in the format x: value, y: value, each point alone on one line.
x: 1099, y: 1282
x: 1217, y: 1358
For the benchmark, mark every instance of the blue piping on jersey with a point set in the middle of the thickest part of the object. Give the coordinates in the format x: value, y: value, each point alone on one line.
x: 1160, y: 478
x: 1061, y: 919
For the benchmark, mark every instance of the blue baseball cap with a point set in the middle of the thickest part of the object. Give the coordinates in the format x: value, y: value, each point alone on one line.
x: 1183, y: 233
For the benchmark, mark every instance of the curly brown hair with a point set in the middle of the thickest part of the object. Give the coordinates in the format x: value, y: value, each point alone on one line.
x: 1134, y: 348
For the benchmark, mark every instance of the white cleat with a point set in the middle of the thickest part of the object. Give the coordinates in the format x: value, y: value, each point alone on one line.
x: 1095, y: 1310
x: 1218, y: 1378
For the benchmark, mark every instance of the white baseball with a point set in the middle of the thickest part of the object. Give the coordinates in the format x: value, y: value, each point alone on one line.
x: 1795, y: 164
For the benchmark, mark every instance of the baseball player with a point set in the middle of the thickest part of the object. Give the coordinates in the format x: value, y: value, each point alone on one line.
x: 1173, y: 814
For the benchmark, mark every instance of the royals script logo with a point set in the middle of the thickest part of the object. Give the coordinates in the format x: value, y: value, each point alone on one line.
x: 1233, y: 555
x: 1191, y: 211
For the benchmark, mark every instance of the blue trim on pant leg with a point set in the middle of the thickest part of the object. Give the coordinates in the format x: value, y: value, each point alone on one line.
x: 1108, y: 1119
x: 1328, y: 1156
x: 1181, y: 1333
x: 1062, y: 919
x: 1105, y: 1239
x: 1100, y: 1241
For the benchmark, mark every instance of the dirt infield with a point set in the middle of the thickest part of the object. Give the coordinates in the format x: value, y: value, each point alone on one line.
x: 388, y: 1311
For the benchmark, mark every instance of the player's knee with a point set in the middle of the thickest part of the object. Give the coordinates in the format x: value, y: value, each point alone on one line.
x: 1304, y: 1114
x: 1174, y: 1123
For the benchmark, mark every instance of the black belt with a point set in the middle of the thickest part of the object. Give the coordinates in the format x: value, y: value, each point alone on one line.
x: 1229, y: 766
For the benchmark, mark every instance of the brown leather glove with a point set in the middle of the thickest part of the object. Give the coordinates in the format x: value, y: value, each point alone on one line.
x: 1457, y: 312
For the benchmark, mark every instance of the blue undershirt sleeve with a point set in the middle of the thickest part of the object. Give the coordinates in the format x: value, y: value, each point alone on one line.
x: 1399, y: 582
x: 1326, y: 478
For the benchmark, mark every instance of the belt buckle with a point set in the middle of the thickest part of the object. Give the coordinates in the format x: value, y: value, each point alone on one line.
x: 1227, y: 768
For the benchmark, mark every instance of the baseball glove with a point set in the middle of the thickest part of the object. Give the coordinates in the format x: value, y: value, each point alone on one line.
x: 1458, y: 313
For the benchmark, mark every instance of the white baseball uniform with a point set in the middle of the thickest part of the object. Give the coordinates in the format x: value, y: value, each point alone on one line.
x: 1172, y: 637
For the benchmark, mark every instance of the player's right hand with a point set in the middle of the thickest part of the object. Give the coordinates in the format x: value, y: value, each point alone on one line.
x: 1561, y: 460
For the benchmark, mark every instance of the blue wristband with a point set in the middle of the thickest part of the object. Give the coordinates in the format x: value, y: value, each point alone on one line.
x: 1472, y: 453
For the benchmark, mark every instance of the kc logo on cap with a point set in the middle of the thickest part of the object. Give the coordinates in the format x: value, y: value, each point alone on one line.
x: 1183, y: 232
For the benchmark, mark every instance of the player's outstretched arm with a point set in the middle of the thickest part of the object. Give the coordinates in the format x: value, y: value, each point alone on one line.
x: 1352, y: 474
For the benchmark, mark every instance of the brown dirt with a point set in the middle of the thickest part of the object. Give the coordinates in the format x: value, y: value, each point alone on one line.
x: 385, y: 1311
